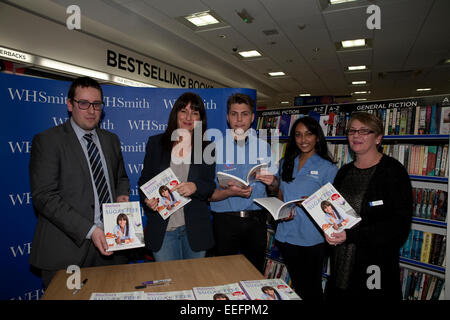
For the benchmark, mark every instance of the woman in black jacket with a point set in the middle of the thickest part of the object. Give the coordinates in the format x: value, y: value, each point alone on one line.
x: 365, y: 258
x: 187, y: 233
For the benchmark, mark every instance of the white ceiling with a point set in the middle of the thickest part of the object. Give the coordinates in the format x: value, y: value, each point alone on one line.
x: 406, y: 53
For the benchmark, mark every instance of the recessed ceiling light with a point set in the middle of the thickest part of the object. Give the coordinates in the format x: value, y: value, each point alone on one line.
x: 424, y: 89
x: 340, y: 1
x: 353, y: 43
x: 250, y: 54
x: 361, y: 92
x: 362, y: 99
x: 202, y: 19
x: 284, y: 102
x: 277, y: 73
x: 359, y: 82
x: 354, y: 68
x: 305, y: 94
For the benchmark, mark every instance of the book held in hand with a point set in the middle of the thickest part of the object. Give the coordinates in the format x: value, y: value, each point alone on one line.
x: 162, y: 187
x: 331, y: 211
x: 268, y: 289
x: 225, y: 178
x: 277, y: 208
x: 123, y: 225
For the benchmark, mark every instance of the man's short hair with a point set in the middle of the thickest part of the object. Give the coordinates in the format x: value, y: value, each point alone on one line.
x: 240, y: 98
x: 84, y: 82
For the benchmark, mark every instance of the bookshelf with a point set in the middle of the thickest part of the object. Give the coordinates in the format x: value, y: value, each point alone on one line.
x: 420, y: 123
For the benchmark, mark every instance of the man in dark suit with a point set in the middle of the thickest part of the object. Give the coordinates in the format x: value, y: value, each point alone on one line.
x: 64, y: 187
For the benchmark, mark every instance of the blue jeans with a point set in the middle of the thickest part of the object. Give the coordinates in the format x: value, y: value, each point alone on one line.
x: 176, y: 246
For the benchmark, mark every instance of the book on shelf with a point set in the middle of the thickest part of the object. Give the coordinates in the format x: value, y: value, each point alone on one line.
x: 277, y: 208
x: 425, y: 247
x: 122, y: 225
x: 162, y: 187
x: 269, y: 289
x: 430, y: 204
x: 444, y: 127
x: 232, y: 291
x: 276, y: 270
x: 420, y: 286
x: 330, y: 211
x: 225, y: 178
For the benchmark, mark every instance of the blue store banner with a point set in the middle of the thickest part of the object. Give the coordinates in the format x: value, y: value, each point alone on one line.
x: 32, y: 105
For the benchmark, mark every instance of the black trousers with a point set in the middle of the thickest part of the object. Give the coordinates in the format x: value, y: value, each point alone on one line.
x: 304, y: 265
x: 235, y: 235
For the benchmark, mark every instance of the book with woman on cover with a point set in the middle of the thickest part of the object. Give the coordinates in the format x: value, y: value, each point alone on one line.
x: 330, y: 210
x: 268, y: 289
x: 225, y: 178
x: 123, y: 225
x: 162, y: 187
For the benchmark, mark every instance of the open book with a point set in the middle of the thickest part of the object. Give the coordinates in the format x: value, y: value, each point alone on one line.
x: 277, y: 208
x: 123, y: 225
x: 224, y: 178
x: 330, y: 210
x: 161, y: 187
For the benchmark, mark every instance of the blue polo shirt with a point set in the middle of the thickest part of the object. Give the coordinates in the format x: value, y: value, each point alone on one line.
x: 237, y: 159
x: 315, y: 173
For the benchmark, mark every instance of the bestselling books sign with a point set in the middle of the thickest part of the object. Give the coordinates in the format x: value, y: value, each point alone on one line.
x: 31, y: 105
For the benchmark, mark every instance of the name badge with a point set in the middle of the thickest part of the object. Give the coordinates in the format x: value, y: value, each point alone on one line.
x: 314, y: 172
x: 376, y: 203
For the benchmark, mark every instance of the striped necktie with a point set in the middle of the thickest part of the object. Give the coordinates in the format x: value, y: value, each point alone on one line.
x: 97, y: 172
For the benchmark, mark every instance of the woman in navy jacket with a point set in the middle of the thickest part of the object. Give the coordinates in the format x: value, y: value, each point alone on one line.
x: 365, y: 258
x: 188, y: 233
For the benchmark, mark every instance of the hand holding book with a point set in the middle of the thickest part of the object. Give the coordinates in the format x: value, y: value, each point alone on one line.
x: 336, y: 238
x: 186, y: 189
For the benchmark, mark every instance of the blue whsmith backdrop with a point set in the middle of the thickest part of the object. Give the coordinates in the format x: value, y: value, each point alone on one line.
x: 31, y: 105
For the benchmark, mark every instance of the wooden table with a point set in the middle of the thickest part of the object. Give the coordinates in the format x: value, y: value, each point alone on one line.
x: 185, y: 274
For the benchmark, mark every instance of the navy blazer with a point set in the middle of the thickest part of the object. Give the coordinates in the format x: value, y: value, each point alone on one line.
x: 196, y: 213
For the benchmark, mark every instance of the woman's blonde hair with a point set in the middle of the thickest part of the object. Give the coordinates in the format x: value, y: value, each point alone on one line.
x: 373, y: 122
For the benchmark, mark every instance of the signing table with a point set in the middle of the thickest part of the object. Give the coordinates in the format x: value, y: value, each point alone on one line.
x: 185, y: 275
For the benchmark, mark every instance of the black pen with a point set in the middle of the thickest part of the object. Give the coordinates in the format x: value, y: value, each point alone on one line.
x: 81, y: 286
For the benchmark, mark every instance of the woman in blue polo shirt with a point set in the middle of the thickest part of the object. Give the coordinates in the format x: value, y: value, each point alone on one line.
x: 305, y: 168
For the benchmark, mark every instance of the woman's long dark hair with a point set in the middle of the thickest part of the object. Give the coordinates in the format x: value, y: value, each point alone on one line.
x: 123, y: 216
x: 326, y: 203
x: 292, y: 150
x: 265, y: 288
x: 196, y: 104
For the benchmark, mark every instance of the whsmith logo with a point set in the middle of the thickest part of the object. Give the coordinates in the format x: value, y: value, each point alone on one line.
x: 36, y: 96
x: 106, y: 124
x: 20, y: 199
x: 20, y: 146
x: 20, y: 250
x: 147, y: 125
x: 135, y: 168
x: 40, y: 96
x: 35, y: 294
